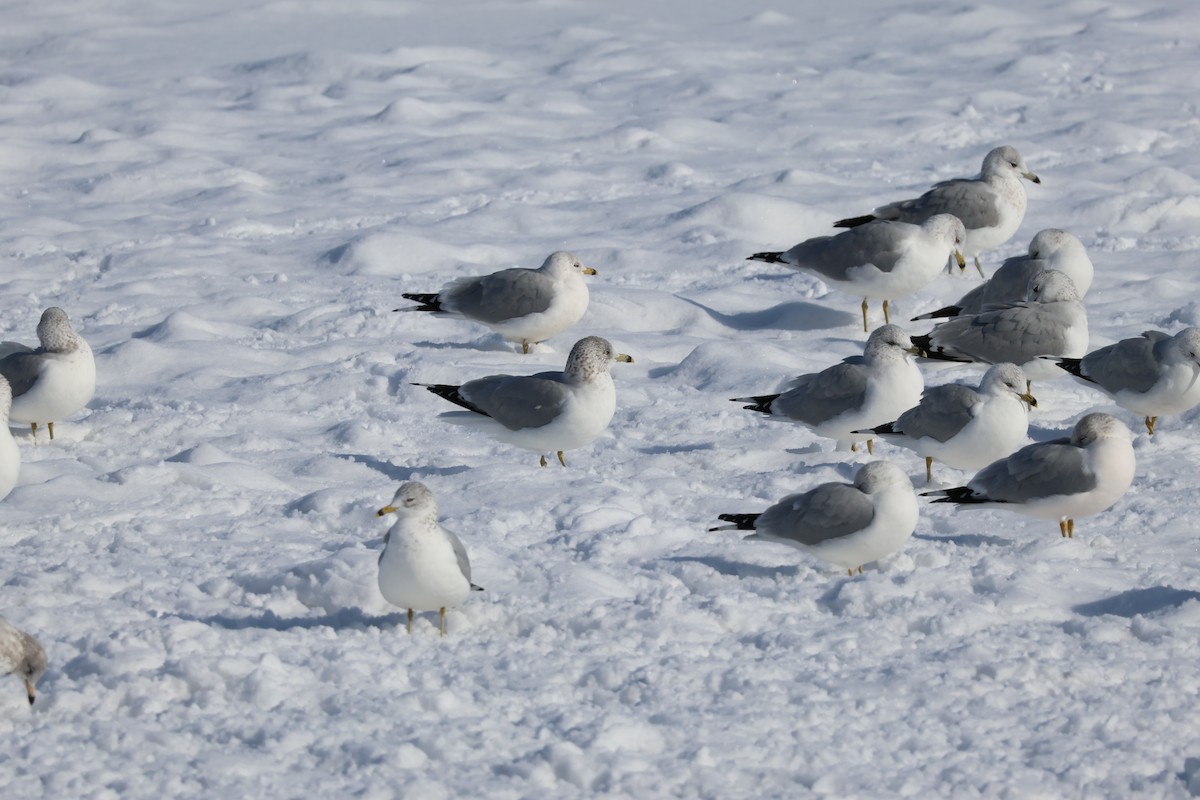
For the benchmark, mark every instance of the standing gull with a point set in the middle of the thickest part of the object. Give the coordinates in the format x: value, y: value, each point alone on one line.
x: 878, y: 261
x: 860, y: 392
x: 1062, y: 479
x: 845, y: 524
x: 963, y: 427
x: 1152, y: 374
x: 423, y: 566
x: 21, y: 655
x: 1049, y: 249
x: 522, y: 305
x: 53, y: 381
x: 991, y: 206
x: 1052, y: 322
x: 546, y: 412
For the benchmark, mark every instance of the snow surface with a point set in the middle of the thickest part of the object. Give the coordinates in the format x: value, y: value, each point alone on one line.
x: 229, y: 198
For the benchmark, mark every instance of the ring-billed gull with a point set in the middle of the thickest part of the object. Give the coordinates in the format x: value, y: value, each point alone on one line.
x: 845, y: 524
x: 10, y: 454
x: 1049, y: 249
x: 1063, y: 479
x: 53, y: 381
x: 1052, y: 322
x: 1152, y: 374
x: 880, y: 261
x: 21, y: 655
x: 860, y: 392
x: 423, y: 566
x: 546, y: 412
x: 964, y: 427
x: 522, y: 305
x: 991, y: 205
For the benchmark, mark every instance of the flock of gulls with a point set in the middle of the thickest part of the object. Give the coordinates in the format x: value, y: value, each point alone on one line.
x: 1026, y: 323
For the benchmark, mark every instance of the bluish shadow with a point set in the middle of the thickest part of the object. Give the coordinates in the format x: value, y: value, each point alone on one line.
x: 396, y: 472
x: 795, y: 315
x: 965, y: 539
x: 737, y: 569
x: 346, y: 619
x: 1137, y: 601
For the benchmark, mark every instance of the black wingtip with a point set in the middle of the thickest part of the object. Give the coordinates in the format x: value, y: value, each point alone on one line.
x: 961, y: 495
x: 742, y: 522
x: 429, y: 302
x: 771, y: 257
x: 475, y: 588
x: 449, y: 392
x: 1073, y: 366
x: 761, y: 403
x: 878, y: 431
x: 941, y: 313
x: 854, y: 222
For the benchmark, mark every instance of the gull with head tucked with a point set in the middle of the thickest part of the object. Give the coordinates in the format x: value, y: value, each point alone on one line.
x: 53, y: 381
x: 23, y: 656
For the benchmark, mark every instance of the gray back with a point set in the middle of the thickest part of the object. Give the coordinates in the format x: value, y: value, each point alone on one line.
x: 830, y: 511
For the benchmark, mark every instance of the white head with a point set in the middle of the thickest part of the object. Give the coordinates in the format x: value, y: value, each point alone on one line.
x: 1051, y: 286
x: 879, y: 475
x: 412, y: 499
x: 1064, y: 252
x: 1005, y: 378
x: 1094, y: 427
x: 55, y: 332
x: 889, y: 341
x: 948, y: 229
x: 1186, y: 345
x: 1005, y: 160
x: 591, y: 356
x: 561, y: 263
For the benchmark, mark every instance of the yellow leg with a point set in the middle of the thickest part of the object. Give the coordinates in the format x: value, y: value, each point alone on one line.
x: 561, y: 460
x: 1062, y: 528
x: 1070, y: 529
x: 850, y: 572
x: 442, y: 621
x: 33, y: 429
x: 979, y: 267
x: 928, y: 469
x: 1150, y: 423
x: 864, y: 308
x: 871, y: 446
x: 887, y: 319
x: 50, y: 427
x: 542, y: 460
x: 525, y: 348
x: 854, y: 447
x: 860, y: 569
x: 410, y: 616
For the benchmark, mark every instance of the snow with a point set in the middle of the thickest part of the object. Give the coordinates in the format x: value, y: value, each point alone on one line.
x: 229, y: 201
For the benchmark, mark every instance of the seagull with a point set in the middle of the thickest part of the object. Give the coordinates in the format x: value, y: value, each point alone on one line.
x: 991, y: 206
x: 10, y: 454
x: 1049, y: 249
x: 546, y: 412
x: 878, y: 261
x: 860, y: 392
x: 1061, y: 479
x: 21, y: 655
x: 53, y: 381
x: 963, y: 427
x: 1052, y: 322
x: 423, y: 566
x: 1152, y: 374
x: 845, y: 524
x: 522, y: 305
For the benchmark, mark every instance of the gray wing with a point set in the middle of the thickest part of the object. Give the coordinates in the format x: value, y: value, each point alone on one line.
x: 830, y: 511
x: 21, y: 369
x: 503, y: 295
x: 460, y: 552
x: 1128, y: 364
x: 971, y: 200
x: 1008, y: 285
x: 881, y: 243
x: 1016, y: 333
x: 518, y: 401
x: 815, y: 398
x: 941, y: 414
x: 1038, y: 470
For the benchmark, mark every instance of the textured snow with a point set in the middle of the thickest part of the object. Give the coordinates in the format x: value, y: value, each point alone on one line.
x: 229, y: 199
